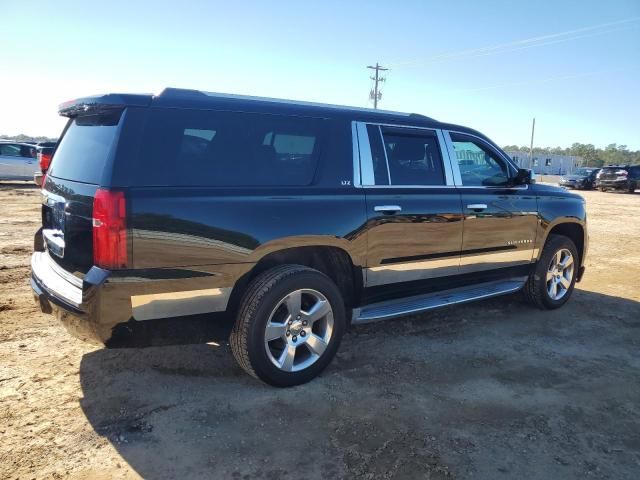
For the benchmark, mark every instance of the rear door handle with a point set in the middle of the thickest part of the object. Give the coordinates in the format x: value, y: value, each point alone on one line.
x: 477, y: 206
x: 388, y: 208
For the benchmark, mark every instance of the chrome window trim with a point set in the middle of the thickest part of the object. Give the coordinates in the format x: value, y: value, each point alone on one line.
x: 366, y: 160
x: 456, y: 167
x: 357, y: 180
x: 448, y: 165
x: 386, y: 157
x: 484, y: 187
x: 399, y: 125
x: 409, y: 186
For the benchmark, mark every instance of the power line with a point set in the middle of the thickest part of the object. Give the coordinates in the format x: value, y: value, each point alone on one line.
x: 375, y: 94
x: 541, y: 80
x: 537, y: 41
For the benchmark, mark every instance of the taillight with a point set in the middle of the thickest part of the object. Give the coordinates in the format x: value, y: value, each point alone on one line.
x: 45, y: 160
x: 109, y: 229
x: 623, y: 173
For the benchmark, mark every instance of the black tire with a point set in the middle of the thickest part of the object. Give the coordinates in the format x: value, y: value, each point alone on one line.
x: 258, y: 302
x: 535, y: 290
x: 602, y: 189
x: 632, y: 188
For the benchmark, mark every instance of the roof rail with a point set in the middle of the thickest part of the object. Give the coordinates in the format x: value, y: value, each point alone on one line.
x: 179, y: 92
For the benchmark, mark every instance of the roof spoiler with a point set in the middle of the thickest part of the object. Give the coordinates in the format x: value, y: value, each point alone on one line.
x: 99, y: 103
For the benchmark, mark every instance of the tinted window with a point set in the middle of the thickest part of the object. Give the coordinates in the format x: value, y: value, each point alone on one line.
x: 9, y: 150
x: 479, y: 164
x: 85, y: 147
x: 192, y: 147
x: 413, y: 157
x: 28, y: 151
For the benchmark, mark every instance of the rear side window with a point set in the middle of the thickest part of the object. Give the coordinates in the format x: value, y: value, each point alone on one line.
x: 210, y: 148
x: 413, y: 157
x: 85, y: 147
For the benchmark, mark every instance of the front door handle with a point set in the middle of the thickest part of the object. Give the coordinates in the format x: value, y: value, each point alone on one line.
x: 477, y: 206
x: 388, y: 209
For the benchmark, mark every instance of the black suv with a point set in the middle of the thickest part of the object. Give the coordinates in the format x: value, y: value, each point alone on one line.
x: 619, y: 177
x: 296, y: 219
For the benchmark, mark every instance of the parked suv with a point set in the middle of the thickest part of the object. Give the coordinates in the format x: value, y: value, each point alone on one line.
x: 297, y: 219
x: 616, y: 177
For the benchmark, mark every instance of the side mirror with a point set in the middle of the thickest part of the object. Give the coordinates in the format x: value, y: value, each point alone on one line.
x: 524, y: 177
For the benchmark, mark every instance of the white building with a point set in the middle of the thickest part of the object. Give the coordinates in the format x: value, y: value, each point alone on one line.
x: 546, y: 163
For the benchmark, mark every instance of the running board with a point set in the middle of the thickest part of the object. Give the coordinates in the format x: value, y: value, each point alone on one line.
x: 420, y: 303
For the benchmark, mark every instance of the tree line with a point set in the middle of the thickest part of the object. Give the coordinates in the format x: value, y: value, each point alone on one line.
x: 612, y: 154
x: 27, y: 138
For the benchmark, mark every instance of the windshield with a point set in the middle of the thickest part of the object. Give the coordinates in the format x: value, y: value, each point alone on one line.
x: 583, y: 171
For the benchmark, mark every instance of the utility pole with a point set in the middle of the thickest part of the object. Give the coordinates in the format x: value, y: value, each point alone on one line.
x: 376, y: 94
x: 533, y: 128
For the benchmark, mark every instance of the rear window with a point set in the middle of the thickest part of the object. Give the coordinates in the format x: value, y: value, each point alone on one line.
x: 209, y: 148
x: 85, y: 147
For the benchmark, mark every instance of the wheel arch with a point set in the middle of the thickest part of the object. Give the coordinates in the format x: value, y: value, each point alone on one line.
x: 572, y: 229
x: 333, y: 261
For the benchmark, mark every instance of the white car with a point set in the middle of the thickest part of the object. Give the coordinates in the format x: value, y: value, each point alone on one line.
x: 18, y: 161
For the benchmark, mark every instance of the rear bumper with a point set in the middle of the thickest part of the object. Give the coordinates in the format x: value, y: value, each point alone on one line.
x: 103, y: 303
x: 75, y: 301
x: 615, y: 184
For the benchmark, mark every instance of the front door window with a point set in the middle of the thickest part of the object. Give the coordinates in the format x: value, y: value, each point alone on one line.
x: 479, y: 165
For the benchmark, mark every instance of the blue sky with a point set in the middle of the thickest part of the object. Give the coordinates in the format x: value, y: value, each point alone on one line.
x: 465, y: 62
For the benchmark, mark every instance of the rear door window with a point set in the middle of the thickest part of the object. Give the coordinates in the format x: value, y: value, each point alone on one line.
x: 83, y: 151
x: 211, y: 148
x: 413, y: 156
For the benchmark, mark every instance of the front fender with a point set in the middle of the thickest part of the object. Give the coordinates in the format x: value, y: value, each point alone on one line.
x: 557, y: 210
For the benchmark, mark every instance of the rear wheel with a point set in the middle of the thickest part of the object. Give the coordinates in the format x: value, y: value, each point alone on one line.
x: 289, y: 325
x: 552, y: 282
x: 632, y: 188
x: 602, y: 189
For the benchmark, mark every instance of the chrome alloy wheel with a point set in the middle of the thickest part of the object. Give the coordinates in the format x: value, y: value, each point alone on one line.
x: 298, y: 330
x: 560, y: 274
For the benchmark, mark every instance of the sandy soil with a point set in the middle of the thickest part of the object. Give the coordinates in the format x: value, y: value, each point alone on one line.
x: 490, y: 390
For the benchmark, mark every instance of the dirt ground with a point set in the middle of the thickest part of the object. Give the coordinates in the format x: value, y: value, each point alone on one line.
x: 488, y: 390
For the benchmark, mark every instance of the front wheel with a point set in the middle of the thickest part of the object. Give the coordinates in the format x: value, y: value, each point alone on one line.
x: 552, y: 282
x: 289, y: 325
